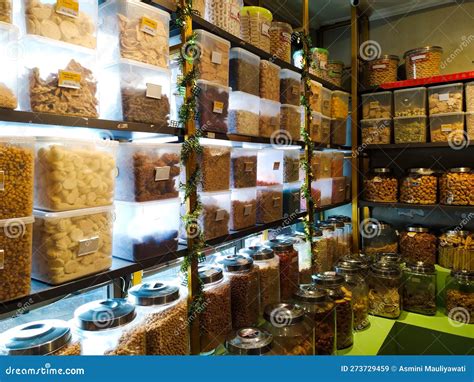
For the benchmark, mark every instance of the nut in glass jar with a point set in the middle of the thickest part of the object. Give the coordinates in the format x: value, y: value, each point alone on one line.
x: 420, y: 186
x: 381, y: 186
x: 457, y: 187
x: 418, y: 244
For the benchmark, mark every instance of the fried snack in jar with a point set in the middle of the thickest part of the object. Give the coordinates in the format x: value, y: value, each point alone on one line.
x: 418, y: 244
x: 423, y: 62
x: 382, y: 70
x: 381, y: 186
x: 419, y: 186
x: 456, y: 187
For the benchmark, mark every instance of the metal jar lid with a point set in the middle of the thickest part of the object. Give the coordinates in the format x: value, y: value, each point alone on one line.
x: 424, y: 49
x: 389, y: 257
x: 249, y: 251
x: 263, y: 254
x: 309, y: 293
x: 385, y: 269
x: 280, y: 245
x: 463, y: 275
x: 328, y: 279
x: 104, y: 314
x: 250, y: 341
x: 455, y: 232
x: 283, y: 314
x: 336, y: 223
x: 460, y: 169
x: 209, y: 274
x: 421, y: 171
x: 421, y: 267
x: 418, y: 229
x: 148, y: 294
x: 326, y: 227
x: 236, y: 263
x: 37, y: 338
x: 386, y: 57
x: 362, y: 261
x: 381, y: 170
x: 348, y: 267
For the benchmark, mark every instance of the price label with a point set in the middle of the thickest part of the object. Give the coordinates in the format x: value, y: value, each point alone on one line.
x: 443, y: 97
x: 247, y: 209
x: 211, y: 135
x: 68, y: 8
x: 296, y: 196
x: 276, y: 166
x: 149, y: 26
x: 379, y: 66
x: 216, y: 58
x: 153, y: 91
x: 248, y: 166
x: 218, y: 107
x: 71, y: 80
x: 418, y: 58
x: 276, y: 201
x: 88, y: 246
x: 220, y: 214
x: 266, y: 29
x: 411, y: 234
x: 446, y: 128
x: 162, y: 173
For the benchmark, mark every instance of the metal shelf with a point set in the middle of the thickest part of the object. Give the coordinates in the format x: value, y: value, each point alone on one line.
x: 408, y: 146
x: 431, y: 207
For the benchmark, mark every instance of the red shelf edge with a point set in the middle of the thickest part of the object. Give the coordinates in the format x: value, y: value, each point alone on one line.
x: 429, y: 80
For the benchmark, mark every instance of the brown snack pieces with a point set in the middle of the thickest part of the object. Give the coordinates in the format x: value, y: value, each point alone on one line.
x: 376, y: 110
x: 385, y: 302
x: 290, y: 121
x: 6, y: 11
x: 42, y: 19
x: 215, y: 167
x: 445, y: 102
x: 269, y: 81
x: 381, y: 189
x: 213, y: 108
x: 291, y: 167
x: 268, y: 125
x: 422, y: 63
x: 137, y: 107
x: 47, y: 97
x: 244, y: 214
x: 132, y: 342
x: 244, y: 76
x: 215, y: 222
x: 244, y: 172
x: 8, y: 100
x: 243, y: 122
x: 70, y: 349
x: 381, y: 70
x: 290, y: 91
x: 269, y: 205
x: 418, y: 246
x: 244, y: 298
x: 419, y: 189
x: 213, y: 61
x: 344, y: 322
x: 456, y: 299
x: 457, y: 188
x: 470, y: 97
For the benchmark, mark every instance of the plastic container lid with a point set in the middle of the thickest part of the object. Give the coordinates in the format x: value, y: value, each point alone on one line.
x: 73, y: 213
x: 386, y: 57
x: 157, y: 293
x: 375, y: 95
x: 431, y: 88
x: 214, y: 84
x: 409, y: 117
x: 287, y: 73
x: 236, y: 263
x: 236, y: 52
x: 320, y: 50
x: 381, y: 170
x: 250, y: 341
x: 463, y: 275
x: 210, y: 274
x: 309, y: 293
x: 423, y: 50
x: 145, y: 6
x: 211, y: 36
x: 104, y: 314
x: 410, y: 90
x: 283, y: 314
x: 36, y: 338
x: 256, y: 11
x: 328, y: 279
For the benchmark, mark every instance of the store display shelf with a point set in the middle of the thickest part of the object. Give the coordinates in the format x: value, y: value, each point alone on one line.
x: 446, y: 208
x: 7, y: 115
x: 403, y: 146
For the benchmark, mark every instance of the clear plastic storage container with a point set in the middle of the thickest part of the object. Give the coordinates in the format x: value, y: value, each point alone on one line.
x: 269, y: 204
x: 250, y: 341
x: 320, y: 132
x: 146, y: 230
x: 291, y: 122
x: 215, y: 167
x: 419, y: 288
x: 163, y: 309
x: 460, y: 297
x: 419, y: 186
x: 290, y: 87
x: 215, y: 219
x: 269, y: 124
x: 255, y: 26
x: 376, y: 131
x: 45, y: 337
x: 385, y: 297
x: 244, y: 114
x: 445, y: 98
x: 270, y: 167
x: 243, y: 170
x: 381, y: 186
x: 326, y: 102
x: 109, y: 327
x: 378, y: 237
x: 135, y: 31
x: 315, y: 96
x: 15, y: 257
x: 213, y: 106
x: 269, y: 81
x: 244, y: 208
x: 447, y: 127
x: 335, y: 72
x: 338, y: 131
x: 321, y: 191
x: 423, y: 62
x: 9, y: 38
x: 73, y: 174
x: 410, y: 129
x: 291, y: 165
x: 224, y: 14
x: 244, y: 71
x: 6, y: 11
x: 470, y: 125
x: 213, y: 60
x: 456, y: 250
x: 409, y: 102
x: 141, y: 93
x: 280, y: 40
x: 319, y: 62
x: 339, y: 104
x: 147, y: 171
x: 16, y: 176
x: 291, y: 199
x: 338, y: 194
x: 469, y: 90
x: 456, y: 187
x: 72, y: 244
x: 377, y: 105
x: 73, y: 22
x: 382, y: 70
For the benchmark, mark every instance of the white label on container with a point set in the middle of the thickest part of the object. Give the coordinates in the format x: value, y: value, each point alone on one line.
x: 88, y: 246
x: 211, y: 135
x: 247, y: 209
x: 296, y: 196
x: 265, y: 29
x: 248, y: 166
x: 323, y: 64
x: 419, y: 57
x: 216, y: 58
x: 220, y: 214
x: 443, y: 96
x: 162, y: 173
x: 2, y: 180
x: 276, y: 166
x: 2, y: 259
x: 68, y: 8
x: 153, y: 91
x: 235, y: 12
x: 411, y: 234
x: 218, y: 107
x: 446, y: 128
x: 379, y: 66
x: 276, y: 201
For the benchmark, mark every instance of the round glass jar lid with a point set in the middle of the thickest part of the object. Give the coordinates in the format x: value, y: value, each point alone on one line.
x: 421, y: 171
x: 209, y: 274
x: 425, y: 49
x: 249, y: 251
x: 263, y: 254
x: 104, y: 314
x: 386, y: 269
x: 250, y: 341
x: 348, y: 267
x: 463, y: 275
x: 283, y: 314
x: 236, y: 263
x: 157, y: 293
x: 309, y: 293
x: 392, y: 258
x: 382, y: 170
x: 460, y: 169
x: 328, y: 279
x: 421, y: 267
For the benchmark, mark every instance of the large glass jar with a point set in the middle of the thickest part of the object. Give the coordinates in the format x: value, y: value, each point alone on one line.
x: 334, y: 284
x: 291, y: 329
x: 419, y: 186
x: 456, y: 187
x: 250, y: 341
x: 361, y: 261
x: 243, y: 276
x: 423, y: 62
x: 280, y: 40
x: 393, y: 259
x: 419, y: 288
x: 216, y: 319
x: 460, y: 297
x: 342, y: 248
x: 379, y: 237
x: 381, y: 186
x: 330, y: 235
x: 255, y: 26
x: 319, y: 307
x: 384, y: 290
x: 382, y: 69
x: 110, y: 327
x: 164, y: 312
x: 357, y: 286
x: 418, y: 244
x: 304, y: 255
x: 320, y: 252
x: 319, y: 63
x: 46, y: 337
x: 456, y: 250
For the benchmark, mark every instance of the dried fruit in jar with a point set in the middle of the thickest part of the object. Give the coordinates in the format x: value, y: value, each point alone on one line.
x: 418, y: 246
x: 457, y: 188
x: 6, y: 11
x: 8, y: 99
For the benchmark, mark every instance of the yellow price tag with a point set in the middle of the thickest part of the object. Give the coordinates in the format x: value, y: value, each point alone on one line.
x: 71, y: 80
x: 149, y: 26
x: 218, y: 107
x: 68, y: 8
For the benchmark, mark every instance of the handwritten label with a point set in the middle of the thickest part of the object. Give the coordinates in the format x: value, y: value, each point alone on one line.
x: 418, y: 58
x: 379, y: 66
x: 149, y: 26
x: 88, y: 246
x: 247, y: 209
x: 68, y: 8
x: 162, y: 173
x: 443, y: 97
x: 248, y: 166
x: 70, y: 80
x: 266, y: 29
x: 211, y: 135
x: 220, y: 214
x: 153, y: 91
x: 218, y: 107
x: 216, y: 58
x: 276, y: 201
x: 276, y: 166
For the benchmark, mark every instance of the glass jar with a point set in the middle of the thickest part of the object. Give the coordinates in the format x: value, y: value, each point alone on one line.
x: 420, y: 186
x: 393, y: 259
x: 460, y: 297
x: 383, y: 69
x: 291, y: 329
x: 250, y: 341
x: 379, y: 237
x: 356, y: 285
x: 419, y: 288
x: 243, y: 276
x: 110, y: 327
x: 384, y: 290
x: 268, y: 266
x: 163, y: 309
x: 330, y: 235
x: 289, y: 272
x: 216, y: 319
x: 456, y: 250
x: 320, y: 252
x: 456, y: 187
x: 304, y: 255
x: 361, y: 261
x: 418, y: 244
x: 381, y: 186
x: 423, y: 62
x: 255, y: 25
x: 280, y: 40
x: 334, y: 284
x: 319, y: 63
x: 46, y: 337
x: 319, y: 307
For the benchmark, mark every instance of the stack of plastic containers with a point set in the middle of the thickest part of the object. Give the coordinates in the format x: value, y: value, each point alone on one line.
x: 270, y: 180
x: 322, y: 185
x: 410, y: 122
x: 376, y: 124
x: 291, y: 111
x: 291, y: 183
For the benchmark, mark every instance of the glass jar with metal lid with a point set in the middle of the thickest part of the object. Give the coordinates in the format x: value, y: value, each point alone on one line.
x: 378, y: 237
x: 109, y: 327
x: 383, y: 69
x: 320, y: 252
x: 419, y: 186
x: 304, y: 255
x: 456, y: 250
x: 423, y: 62
x: 321, y: 310
x: 250, y: 341
x: 46, y: 337
x: 356, y: 284
x: 456, y: 187
x: 268, y: 266
x: 418, y: 244
x: 391, y: 258
x: 163, y: 309
x: 280, y: 40
x: 384, y: 290
x: 360, y: 260
x: 216, y: 319
x: 244, y: 284
x: 291, y: 329
x: 381, y: 186
x: 334, y: 284
x: 330, y: 235
x: 289, y: 272
x: 460, y: 296
x: 419, y: 288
